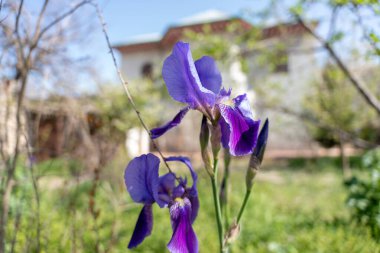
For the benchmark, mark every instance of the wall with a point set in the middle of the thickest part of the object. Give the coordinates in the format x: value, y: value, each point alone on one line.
x: 286, y: 89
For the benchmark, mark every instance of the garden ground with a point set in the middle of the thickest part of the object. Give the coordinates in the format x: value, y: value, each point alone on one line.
x: 296, y: 206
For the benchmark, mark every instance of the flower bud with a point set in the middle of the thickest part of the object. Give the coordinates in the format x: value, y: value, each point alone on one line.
x: 216, y: 135
x: 261, y: 142
x: 232, y: 233
x: 204, y: 139
x: 257, y: 156
x: 204, y: 134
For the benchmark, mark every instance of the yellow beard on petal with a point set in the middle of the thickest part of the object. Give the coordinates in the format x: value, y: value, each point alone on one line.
x: 228, y: 102
x: 179, y: 201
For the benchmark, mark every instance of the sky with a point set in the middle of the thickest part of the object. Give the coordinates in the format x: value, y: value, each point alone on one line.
x: 133, y: 17
x: 128, y: 18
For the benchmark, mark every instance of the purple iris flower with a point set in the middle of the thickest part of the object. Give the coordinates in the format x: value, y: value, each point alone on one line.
x: 199, y: 85
x: 146, y: 187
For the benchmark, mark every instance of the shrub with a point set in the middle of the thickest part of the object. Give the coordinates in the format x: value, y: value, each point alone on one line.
x: 364, y: 194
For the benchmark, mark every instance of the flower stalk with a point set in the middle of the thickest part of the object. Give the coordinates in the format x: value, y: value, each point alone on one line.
x: 224, y: 187
x: 254, y: 166
x: 218, y: 212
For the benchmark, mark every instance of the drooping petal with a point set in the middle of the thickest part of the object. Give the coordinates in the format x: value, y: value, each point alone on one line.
x: 143, y: 226
x: 192, y: 193
x: 141, y: 178
x: 157, y: 132
x: 184, y: 239
x: 209, y: 74
x: 182, y: 80
x: 242, y: 129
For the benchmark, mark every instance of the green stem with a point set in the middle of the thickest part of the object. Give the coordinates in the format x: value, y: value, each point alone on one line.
x: 214, y: 183
x: 225, y: 182
x: 246, y: 197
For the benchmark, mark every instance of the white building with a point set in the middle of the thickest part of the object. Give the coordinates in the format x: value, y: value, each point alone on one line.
x: 8, y: 119
x: 144, y: 55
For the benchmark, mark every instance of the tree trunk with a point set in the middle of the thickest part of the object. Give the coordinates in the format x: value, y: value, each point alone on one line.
x: 345, y: 162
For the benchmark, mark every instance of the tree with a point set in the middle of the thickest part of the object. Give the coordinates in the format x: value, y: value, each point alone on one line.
x: 28, y: 45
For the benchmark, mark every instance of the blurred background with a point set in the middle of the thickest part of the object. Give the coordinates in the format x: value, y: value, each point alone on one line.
x: 67, y: 130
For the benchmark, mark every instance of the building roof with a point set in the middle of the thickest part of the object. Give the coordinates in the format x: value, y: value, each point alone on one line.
x: 217, y: 21
x: 204, y: 17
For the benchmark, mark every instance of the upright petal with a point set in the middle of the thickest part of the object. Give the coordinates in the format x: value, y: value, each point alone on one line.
x: 182, y: 80
x: 184, y: 239
x: 166, y: 187
x: 209, y: 74
x: 187, y: 162
x: 143, y: 226
x: 223, y: 95
x: 238, y: 126
x: 141, y: 178
x: 157, y: 132
x: 192, y: 193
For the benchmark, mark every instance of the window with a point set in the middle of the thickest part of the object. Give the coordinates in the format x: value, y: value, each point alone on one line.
x: 147, y: 70
x: 281, y: 64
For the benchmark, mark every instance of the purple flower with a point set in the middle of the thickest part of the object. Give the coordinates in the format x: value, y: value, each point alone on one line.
x: 146, y: 187
x: 199, y: 84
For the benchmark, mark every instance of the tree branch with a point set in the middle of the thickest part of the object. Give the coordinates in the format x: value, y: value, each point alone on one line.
x: 361, y: 88
x: 358, y: 142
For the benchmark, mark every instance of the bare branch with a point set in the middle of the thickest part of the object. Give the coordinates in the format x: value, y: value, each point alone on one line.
x: 18, y: 16
x: 40, y: 17
x: 331, y: 31
x: 372, y: 43
x: 16, y: 31
x: 59, y: 19
x: 358, y: 142
x: 362, y: 89
x: 125, y: 84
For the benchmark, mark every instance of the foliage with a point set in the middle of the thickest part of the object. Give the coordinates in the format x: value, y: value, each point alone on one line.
x: 337, y: 106
x: 364, y: 194
x: 116, y: 112
x: 306, y: 212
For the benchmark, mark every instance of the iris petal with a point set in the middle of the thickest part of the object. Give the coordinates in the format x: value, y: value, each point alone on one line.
x: 192, y: 192
x: 143, y: 227
x: 187, y: 162
x: 238, y: 127
x: 182, y: 80
x: 166, y: 187
x: 141, y: 178
x: 184, y: 239
x: 209, y: 73
x: 262, y: 141
x: 157, y: 132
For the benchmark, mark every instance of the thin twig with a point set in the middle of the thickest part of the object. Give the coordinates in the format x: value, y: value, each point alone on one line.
x: 16, y: 229
x: 331, y: 31
x: 125, y: 83
x: 40, y: 17
x: 372, y: 43
x: 358, y: 142
x: 36, y: 191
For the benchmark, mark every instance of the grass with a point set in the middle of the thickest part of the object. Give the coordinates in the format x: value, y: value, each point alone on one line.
x: 297, y: 208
